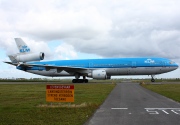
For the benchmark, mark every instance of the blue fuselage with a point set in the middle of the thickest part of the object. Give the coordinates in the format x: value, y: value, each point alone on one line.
x: 112, y: 66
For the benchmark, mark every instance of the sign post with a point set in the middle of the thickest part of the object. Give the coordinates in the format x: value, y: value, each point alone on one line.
x: 60, y: 93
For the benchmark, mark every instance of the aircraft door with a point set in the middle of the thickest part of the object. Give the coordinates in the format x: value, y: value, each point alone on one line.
x: 163, y: 64
x: 90, y: 65
x: 133, y: 64
x: 132, y: 69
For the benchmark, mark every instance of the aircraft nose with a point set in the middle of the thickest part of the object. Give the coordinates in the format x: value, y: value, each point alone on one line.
x: 176, y: 65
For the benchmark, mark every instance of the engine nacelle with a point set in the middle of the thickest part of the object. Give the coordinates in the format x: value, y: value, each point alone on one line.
x: 26, y: 57
x: 98, y: 74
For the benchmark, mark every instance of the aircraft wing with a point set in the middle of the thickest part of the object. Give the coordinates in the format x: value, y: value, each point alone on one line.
x: 51, y: 66
x: 48, y: 67
x: 59, y: 68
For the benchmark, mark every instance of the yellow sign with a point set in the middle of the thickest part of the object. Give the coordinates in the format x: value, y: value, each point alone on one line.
x: 60, y: 93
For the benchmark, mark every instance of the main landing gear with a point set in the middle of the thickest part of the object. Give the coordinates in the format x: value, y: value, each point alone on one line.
x: 80, y: 81
x: 77, y: 80
x: 152, y: 80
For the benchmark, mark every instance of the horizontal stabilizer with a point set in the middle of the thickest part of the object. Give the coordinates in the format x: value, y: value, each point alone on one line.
x: 15, y: 64
x: 18, y: 64
x: 12, y: 58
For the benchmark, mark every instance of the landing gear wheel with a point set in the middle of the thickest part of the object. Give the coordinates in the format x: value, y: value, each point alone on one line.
x: 86, y: 80
x: 152, y: 80
x: 80, y: 80
x: 74, y: 81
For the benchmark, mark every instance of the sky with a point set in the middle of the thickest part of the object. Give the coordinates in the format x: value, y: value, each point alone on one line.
x: 83, y: 29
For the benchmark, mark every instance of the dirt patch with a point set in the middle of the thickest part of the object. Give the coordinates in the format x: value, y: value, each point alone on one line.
x: 63, y: 105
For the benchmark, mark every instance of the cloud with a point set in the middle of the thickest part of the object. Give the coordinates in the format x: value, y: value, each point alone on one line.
x: 8, y: 44
x: 125, y: 28
x: 65, y: 51
x: 39, y: 46
x: 14, y: 73
x: 60, y: 24
x: 107, y: 28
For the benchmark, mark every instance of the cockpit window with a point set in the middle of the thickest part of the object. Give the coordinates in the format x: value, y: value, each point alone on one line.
x: 171, y: 62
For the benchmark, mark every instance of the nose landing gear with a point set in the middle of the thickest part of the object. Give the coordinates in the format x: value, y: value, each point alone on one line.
x: 152, y: 80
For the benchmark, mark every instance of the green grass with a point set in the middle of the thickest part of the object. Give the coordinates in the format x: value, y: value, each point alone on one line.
x: 23, y: 104
x: 169, y: 90
x: 157, y: 80
x: 64, y: 81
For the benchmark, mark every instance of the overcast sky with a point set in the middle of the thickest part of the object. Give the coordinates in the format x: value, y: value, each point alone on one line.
x: 75, y: 29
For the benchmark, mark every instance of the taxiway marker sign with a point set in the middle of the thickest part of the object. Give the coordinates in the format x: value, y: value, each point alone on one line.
x: 60, y: 93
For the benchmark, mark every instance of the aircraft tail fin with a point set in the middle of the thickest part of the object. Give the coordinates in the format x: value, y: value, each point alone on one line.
x: 22, y: 46
x: 25, y: 54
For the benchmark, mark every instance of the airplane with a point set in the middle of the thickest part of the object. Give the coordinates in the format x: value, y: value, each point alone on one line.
x: 99, y: 69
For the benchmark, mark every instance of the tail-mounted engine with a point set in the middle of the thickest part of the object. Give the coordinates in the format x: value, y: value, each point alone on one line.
x: 26, y: 57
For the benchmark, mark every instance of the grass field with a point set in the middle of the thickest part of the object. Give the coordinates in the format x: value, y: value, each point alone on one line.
x: 25, y: 104
x: 64, y: 81
x: 169, y: 90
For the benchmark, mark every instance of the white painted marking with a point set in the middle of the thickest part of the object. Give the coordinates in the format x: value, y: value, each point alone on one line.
x: 161, y: 108
x: 151, y: 111
x: 119, y: 108
x: 165, y: 112
x: 175, y: 112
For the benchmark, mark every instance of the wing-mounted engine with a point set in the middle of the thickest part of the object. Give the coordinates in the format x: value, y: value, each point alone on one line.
x: 98, y: 74
x: 26, y: 57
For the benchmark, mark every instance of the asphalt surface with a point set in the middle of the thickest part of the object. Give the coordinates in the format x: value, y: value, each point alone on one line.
x: 131, y: 104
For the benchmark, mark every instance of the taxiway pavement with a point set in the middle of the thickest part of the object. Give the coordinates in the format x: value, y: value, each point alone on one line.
x: 131, y: 104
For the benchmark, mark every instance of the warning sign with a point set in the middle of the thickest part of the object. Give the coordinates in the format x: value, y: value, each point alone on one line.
x: 60, y: 93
